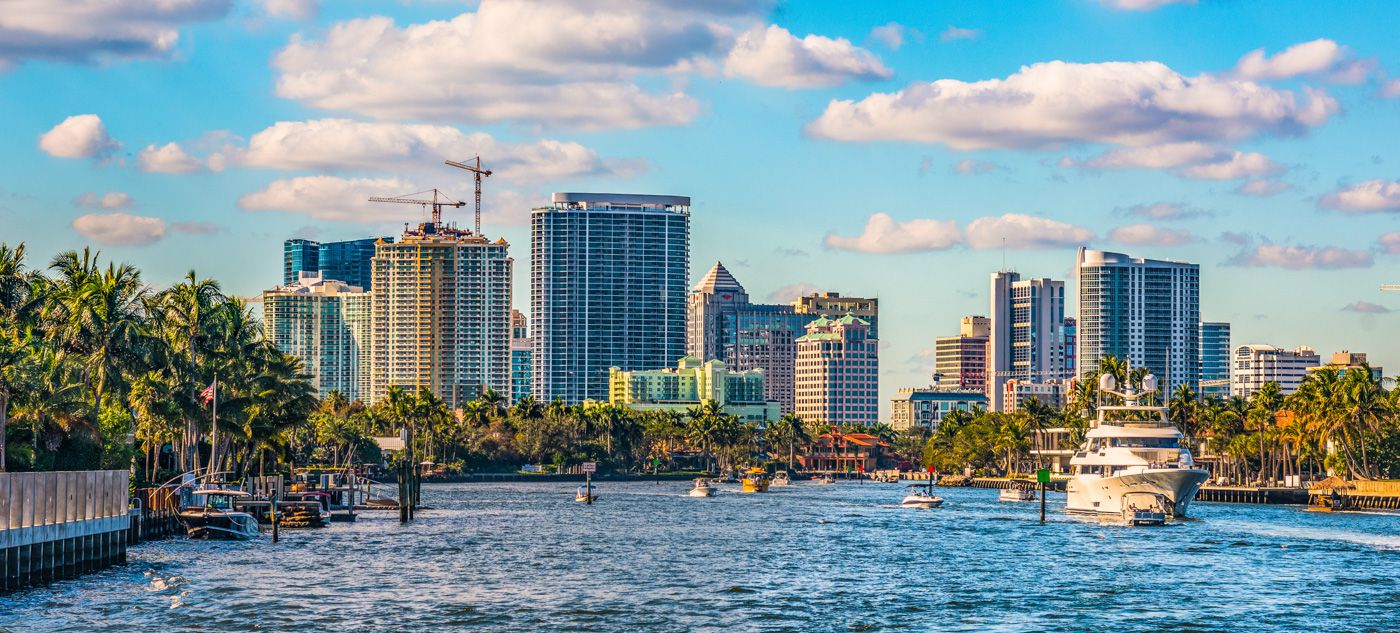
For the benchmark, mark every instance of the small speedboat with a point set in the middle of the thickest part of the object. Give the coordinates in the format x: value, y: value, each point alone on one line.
x: 1016, y: 494
x: 216, y: 519
x: 780, y: 478
x: 702, y: 488
x: 825, y: 480
x: 586, y: 494
x: 921, y: 500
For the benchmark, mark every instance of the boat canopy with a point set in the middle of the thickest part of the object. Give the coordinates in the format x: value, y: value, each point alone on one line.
x: 215, y: 492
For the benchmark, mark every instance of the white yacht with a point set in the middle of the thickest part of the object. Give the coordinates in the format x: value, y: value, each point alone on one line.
x: 1132, y: 450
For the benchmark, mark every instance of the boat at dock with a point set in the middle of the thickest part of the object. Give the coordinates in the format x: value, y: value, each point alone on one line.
x: 211, y: 516
x: 702, y: 488
x: 1131, y: 450
x: 1016, y: 492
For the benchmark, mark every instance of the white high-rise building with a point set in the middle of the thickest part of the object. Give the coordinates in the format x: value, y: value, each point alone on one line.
x: 442, y: 314
x: 1256, y: 365
x: 326, y: 324
x: 1026, y: 339
x: 1146, y: 311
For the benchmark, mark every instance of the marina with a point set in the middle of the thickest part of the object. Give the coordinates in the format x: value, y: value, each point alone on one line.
x: 805, y: 557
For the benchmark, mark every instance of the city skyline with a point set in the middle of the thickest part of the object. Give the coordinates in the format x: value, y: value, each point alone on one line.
x: 214, y: 134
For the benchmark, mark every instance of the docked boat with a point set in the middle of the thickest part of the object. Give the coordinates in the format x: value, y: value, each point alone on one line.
x: 215, y: 518
x: 1132, y: 450
x: 586, y: 494
x: 702, y: 488
x: 756, y: 480
x: 780, y: 478
x: 1016, y: 493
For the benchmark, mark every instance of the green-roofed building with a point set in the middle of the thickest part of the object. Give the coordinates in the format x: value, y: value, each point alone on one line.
x: 838, y: 372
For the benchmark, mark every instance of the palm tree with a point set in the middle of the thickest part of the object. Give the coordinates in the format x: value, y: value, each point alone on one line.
x: 1182, y: 407
x: 789, y: 430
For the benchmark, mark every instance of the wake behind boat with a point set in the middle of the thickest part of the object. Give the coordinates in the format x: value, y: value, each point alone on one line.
x: 1132, y: 450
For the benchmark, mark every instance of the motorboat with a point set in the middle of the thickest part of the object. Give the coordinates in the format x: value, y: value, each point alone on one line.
x: 825, y: 480
x: 211, y: 516
x: 1016, y: 493
x: 702, y: 488
x: 586, y: 494
x: 1143, y: 508
x: 1131, y: 450
x: 780, y: 478
x: 755, y: 480
x: 922, y: 499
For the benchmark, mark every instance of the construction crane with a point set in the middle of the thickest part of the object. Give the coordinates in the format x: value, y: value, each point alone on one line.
x: 435, y: 203
x: 1390, y: 287
x: 478, y: 172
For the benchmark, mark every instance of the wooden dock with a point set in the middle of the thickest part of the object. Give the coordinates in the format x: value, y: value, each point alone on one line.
x: 1252, y: 494
x: 57, y: 525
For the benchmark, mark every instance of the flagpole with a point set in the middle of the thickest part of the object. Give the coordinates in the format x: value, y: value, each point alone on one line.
x: 214, y: 432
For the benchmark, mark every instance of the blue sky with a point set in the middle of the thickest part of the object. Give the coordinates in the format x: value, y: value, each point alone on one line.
x: 879, y: 149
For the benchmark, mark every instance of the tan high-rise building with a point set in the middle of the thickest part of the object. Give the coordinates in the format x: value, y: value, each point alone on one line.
x: 961, y: 361
x: 832, y: 304
x: 441, y: 313
x: 838, y: 372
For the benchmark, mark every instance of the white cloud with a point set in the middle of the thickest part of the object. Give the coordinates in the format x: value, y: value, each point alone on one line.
x: 551, y: 63
x: 1263, y: 188
x: 292, y: 9
x: 1149, y: 235
x: 1141, y: 5
x: 342, y: 144
x: 1049, y: 104
x: 891, y: 35
x: 1240, y: 165
x: 1366, y: 307
x: 774, y: 57
x: 79, y: 136
x: 953, y: 33
x: 1165, y: 156
x: 88, y: 31
x: 969, y: 167
x: 791, y: 292
x: 1303, y: 257
x: 884, y: 235
x: 1371, y: 196
x: 1390, y: 89
x: 1022, y: 231
x: 1163, y: 211
x: 167, y: 159
x: 120, y: 229
x: 1389, y: 243
x: 109, y: 200
x: 1321, y: 57
x: 335, y: 199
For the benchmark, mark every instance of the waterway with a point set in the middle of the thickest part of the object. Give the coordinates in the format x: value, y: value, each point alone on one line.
x: 525, y: 556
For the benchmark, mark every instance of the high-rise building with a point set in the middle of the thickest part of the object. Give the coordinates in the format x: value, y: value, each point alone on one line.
x: 1070, y: 330
x: 1026, y: 341
x: 1346, y: 360
x: 961, y: 360
x: 522, y: 365
x: 1256, y: 365
x: 1215, y: 358
x: 347, y: 261
x: 1146, y: 311
x: 326, y: 324
x: 832, y: 304
x: 721, y: 324
x: 608, y: 285
x: 442, y: 314
x: 519, y: 324
x: 838, y: 371
x: 690, y: 383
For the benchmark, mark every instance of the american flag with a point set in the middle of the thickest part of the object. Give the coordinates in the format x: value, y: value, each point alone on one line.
x: 209, y: 393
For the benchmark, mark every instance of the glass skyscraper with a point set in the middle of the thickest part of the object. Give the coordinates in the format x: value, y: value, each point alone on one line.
x: 300, y: 256
x: 1215, y: 359
x: 326, y: 324
x: 607, y: 289
x: 347, y: 261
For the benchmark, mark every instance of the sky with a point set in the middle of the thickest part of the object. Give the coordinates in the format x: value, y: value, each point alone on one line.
x: 902, y: 150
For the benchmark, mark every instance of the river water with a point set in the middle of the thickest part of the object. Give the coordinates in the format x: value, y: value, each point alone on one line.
x: 803, y: 558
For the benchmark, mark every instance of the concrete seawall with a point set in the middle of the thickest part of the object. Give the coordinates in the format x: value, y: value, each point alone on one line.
x: 59, y: 524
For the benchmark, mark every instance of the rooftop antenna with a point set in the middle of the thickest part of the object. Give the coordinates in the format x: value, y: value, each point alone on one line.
x: 1003, y: 254
x: 478, y: 172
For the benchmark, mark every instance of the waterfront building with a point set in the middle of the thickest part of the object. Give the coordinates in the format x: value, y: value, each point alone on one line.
x: 1256, y: 365
x: 1345, y: 361
x: 689, y: 384
x: 1215, y: 358
x: 347, y: 261
x: 832, y: 304
x: 1144, y: 310
x: 722, y: 324
x: 441, y: 311
x: 326, y: 324
x: 837, y: 372
x: 1026, y: 339
x: 961, y: 360
x: 1016, y: 392
x: 608, y: 285
x: 925, y: 408
x: 844, y: 453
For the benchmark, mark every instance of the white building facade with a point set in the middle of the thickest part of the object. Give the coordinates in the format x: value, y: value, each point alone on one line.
x: 1255, y: 365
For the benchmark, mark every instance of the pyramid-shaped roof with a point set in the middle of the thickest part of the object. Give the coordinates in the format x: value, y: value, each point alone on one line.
x: 718, y: 280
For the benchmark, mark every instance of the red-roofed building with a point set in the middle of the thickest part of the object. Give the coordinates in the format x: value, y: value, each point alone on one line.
x: 840, y: 452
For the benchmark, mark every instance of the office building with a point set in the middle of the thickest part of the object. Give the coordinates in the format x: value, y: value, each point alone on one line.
x: 442, y: 314
x: 721, y: 324
x: 961, y: 361
x: 925, y: 408
x: 1256, y: 365
x: 326, y: 324
x: 690, y: 383
x: 837, y: 372
x: 1146, y: 311
x: 347, y: 261
x: 521, y: 357
x: 608, y: 284
x: 1345, y: 361
x: 1015, y: 393
x: 1215, y: 359
x: 1026, y: 341
x: 832, y: 304
x: 1070, y: 328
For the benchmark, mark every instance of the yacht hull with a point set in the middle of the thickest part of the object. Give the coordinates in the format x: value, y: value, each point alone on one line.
x: 1104, y: 495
